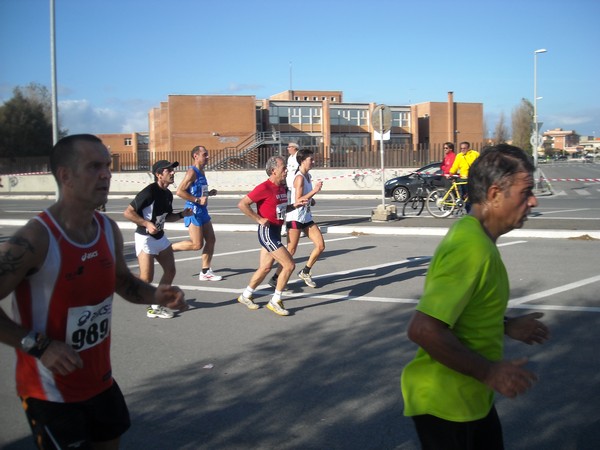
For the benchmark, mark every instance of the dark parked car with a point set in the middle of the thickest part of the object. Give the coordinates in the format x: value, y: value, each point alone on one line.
x: 402, y: 188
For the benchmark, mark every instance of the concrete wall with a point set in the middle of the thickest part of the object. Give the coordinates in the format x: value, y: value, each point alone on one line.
x: 230, y: 181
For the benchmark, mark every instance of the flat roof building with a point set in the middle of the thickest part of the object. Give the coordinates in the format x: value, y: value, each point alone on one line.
x: 339, y: 133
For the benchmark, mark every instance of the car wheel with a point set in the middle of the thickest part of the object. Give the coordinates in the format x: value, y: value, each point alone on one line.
x: 400, y: 194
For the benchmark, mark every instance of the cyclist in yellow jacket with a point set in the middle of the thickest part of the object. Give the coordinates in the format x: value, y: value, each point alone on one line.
x: 462, y: 163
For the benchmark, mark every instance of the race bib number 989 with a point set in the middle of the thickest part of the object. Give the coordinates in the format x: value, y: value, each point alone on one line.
x: 87, y: 326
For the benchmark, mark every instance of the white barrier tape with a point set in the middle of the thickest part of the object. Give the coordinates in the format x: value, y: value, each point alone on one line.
x: 587, y: 180
x: 354, y: 174
x: 24, y: 174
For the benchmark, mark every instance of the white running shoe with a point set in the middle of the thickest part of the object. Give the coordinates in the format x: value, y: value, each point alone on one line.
x: 159, y: 311
x: 247, y: 301
x: 307, y: 279
x: 277, y: 308
x: 209, y: 276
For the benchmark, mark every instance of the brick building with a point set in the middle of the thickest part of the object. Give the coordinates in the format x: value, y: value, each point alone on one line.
x: 560, y: 139
x: 339, y: 133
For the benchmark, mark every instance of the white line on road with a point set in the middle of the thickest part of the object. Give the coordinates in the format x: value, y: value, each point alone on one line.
x: 517, y: 303
x: 553, y: 291
x: 237, y: 252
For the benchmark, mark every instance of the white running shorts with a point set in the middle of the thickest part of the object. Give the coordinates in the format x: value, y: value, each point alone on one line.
x: 150, y: 245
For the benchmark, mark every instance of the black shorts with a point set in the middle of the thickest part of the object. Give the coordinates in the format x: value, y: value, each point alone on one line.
x: 436, y: 433
x: 299, y: 225
x: 76, y: 425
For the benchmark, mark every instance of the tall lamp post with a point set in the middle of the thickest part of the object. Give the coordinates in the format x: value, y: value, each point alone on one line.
x: 535, y: 99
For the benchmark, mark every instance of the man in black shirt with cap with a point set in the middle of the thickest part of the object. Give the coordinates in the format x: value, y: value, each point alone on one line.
x: 149, y: 210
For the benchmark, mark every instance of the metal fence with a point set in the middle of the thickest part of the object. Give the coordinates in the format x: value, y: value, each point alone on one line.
x: 233, y: 159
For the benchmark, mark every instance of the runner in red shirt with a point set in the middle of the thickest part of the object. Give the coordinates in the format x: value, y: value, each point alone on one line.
x: 271, y: 206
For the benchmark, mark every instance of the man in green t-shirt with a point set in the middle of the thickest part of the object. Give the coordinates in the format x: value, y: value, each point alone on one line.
x: 459, y: 323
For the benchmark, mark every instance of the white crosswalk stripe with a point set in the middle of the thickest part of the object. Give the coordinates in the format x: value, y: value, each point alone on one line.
x: 582, y: 192
x: 575, y: 192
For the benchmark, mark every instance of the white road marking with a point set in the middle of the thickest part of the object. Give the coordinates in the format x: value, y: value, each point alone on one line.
x: 237, y: 252
x: 553, y: 291
x: 517, y: 303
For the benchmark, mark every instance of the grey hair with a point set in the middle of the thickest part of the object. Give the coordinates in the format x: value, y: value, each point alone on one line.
x: 272, y: 164
x: 496, y: 165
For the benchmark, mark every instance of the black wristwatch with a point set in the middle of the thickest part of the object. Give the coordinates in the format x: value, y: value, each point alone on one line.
x: 35, y: 344
x: 29, y: 341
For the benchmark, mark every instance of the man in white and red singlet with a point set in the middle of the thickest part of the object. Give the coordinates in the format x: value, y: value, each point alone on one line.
x: 271, y: 206
x: 63, y: 268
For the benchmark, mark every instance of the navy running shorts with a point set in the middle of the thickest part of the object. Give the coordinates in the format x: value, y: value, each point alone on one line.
x: 270, y: 237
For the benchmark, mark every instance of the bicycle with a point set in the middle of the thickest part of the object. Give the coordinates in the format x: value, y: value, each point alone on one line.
x: 415, y: 204
x: 442, y: 202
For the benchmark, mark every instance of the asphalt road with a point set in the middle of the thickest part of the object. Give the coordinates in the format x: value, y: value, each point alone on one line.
x: 220, y: 376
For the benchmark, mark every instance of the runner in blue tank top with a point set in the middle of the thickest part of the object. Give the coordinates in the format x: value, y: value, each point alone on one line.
x: 194, y: 190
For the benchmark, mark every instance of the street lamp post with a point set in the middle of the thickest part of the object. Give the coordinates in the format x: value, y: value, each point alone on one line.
x: 535, y: 99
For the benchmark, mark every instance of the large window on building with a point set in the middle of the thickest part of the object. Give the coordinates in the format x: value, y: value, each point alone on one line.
x: 345, y: 143
x: 278, y: 115
x: 401, y: 119
x: 396, y: 141
x: 357, y: 117
x: 299, y: 115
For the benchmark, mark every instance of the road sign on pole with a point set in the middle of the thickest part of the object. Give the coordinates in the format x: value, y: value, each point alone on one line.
x: 382, y: 119
x: 536, y: 140
x: 386, y: 136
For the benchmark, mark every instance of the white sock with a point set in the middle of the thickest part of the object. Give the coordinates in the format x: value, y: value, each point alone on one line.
x: 248, y: 292
x: 276, y: 297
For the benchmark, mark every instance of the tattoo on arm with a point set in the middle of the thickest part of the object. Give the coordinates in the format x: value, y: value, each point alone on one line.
x: 11, y: 261
x: 21, y: 242
x: 132, y: 290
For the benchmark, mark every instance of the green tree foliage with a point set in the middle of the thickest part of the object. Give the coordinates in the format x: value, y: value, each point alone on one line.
x: 522, y: 125
x: 26, y: 122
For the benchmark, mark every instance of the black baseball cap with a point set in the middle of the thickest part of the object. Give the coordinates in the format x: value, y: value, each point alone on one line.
x: 163, y: 164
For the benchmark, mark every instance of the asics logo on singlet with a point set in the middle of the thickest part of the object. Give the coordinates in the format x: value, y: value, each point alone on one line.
x: 90, y: 316
x: 89, y: 255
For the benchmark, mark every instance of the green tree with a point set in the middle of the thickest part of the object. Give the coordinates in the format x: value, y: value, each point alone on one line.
x: 26, y: 122
x: 522, y: 125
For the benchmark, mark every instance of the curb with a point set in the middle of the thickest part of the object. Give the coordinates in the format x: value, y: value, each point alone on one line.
x: 371, y: 230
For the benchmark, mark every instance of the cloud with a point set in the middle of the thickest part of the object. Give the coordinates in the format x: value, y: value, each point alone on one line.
x: 234, y: 88
x: 80, y: 116
x: 571, y: 120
